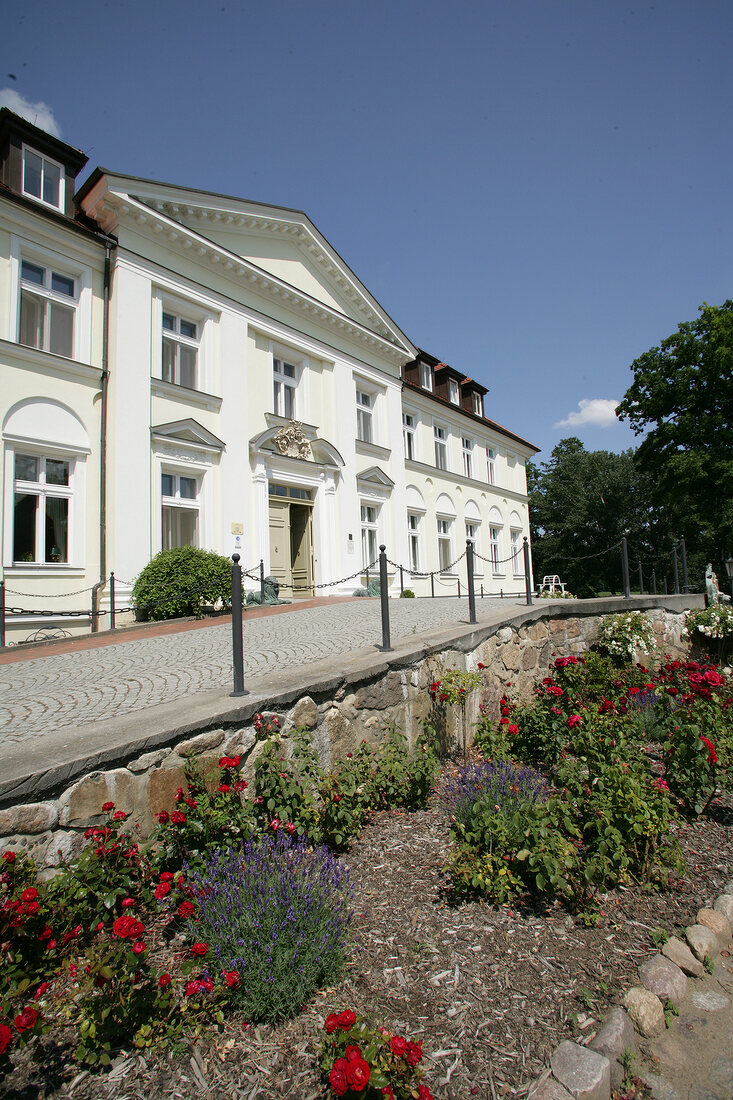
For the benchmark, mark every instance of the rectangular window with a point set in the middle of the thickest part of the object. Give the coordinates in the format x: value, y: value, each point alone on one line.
x: 43, y: 179
x: 180, y: 352
x: 413, y: 540
x: 284, y: 381
x: 369, y: 514
x: 441, y: 454
x: 491, y: 465
x: 408, y: 434
x: 180, y: 510
x: 517, y: 553
x: 445, y: 555
x: 364, y: 407
x: 468, y: 457
x: 477, y: 405
x: 426, y: 377
x: 42, y: 500
x: 48, y: 301
x: 495, y: 548
x: 453, y: 391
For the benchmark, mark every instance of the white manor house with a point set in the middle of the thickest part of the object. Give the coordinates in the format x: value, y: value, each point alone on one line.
x: 183, y: 367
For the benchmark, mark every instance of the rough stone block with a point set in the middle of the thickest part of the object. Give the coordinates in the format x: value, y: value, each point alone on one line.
x: 584, y: 1073
x: 679, y: 953
x: 35, y: 817
x: 148, y: 760
x: 510, y: 655
x: 529, y: 658
x: 239, y: 743
x: 549, y: 1089
x: 63, y: 847
x: 711, y: 1001
x: 81, y: 804
x: 661, y: 1088
x: 304, y: 713
x: 162, y: 785
x: 613, y: 1040
x: 505, y: 635
x: 724, y: 905
x: 645, y: 1009
x: 387, y: 691
x: 194, y: 746
x: 664, y: 978
x: 702, y: 941
x: 716, y: 922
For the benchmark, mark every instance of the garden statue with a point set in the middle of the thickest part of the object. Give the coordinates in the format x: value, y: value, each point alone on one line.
x: 272, y: 591
x: 712, y: 591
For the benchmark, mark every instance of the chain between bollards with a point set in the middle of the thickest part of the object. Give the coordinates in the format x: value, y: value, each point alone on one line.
x: 237, y: 643
x: 384, y: 599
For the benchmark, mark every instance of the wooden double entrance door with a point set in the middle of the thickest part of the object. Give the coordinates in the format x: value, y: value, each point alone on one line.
x: 291, y: 542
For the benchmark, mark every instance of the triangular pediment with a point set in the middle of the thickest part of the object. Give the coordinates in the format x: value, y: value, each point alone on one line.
x: 375, y: 476
x: 187, y: 431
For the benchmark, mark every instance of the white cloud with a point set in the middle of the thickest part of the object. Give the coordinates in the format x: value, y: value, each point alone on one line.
x: 597, y: 411
x: 40, y: 114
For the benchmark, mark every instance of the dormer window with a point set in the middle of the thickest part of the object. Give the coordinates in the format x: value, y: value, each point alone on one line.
x: 426, y: 377
x: 43, y: 179
x: 477, y: 404
x: 453, y: 391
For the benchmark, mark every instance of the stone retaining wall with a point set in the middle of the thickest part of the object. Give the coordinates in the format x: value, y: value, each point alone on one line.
x: 341, y: 711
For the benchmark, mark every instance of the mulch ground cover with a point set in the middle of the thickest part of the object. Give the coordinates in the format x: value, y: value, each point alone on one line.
x: 489, y: 991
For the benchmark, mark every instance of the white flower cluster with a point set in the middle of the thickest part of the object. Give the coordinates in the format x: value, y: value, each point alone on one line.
x: 623, y: 635
x: 715, y: 621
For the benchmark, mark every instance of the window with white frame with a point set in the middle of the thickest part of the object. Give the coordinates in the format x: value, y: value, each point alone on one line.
x: 48, y: 301
x: 409, y: 423
x: 413, y: 540
x: 445, y: 543
x: 369, y: 543
x: 43, y: 179
x: 477, y: 404
x: 364, y: 410
x: 284, y: 382
x: 495, y: 554
x: 440, y: 435
x: 180, y: 510
x: 426, y: 377
x: 472, y: 528
x: 491, y: 465
x: 180, y: 351
x: 517, y: 552
x: 453, y: 393
x: 42, y: 502
x: 467, y: 456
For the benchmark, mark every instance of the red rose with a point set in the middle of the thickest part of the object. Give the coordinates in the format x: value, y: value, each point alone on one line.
x: 9, y: 857
x: 31, y: 908
x: 352, y: 1051
x: 26, y: 1020
x: 163, y: 816
x: 98, y: 927
x: 138, y: 948
x: 167, y: 876
x: 413, y: 1054
x: 357, y: 1073
x: 337, y: 1077
x: 164, y: 981
x: 30, y: 894
x: 128, y: 903
x: 5, y: 1037
x: 275, y: 824
x: 192, y: 988
x: 161, y: 890
x: 241, y: 785
x: 186, y: 909
x: 514, y: 729
x: 347, y: 1019
x: 191, y: 803
x: 178, y: 818
x: 332, y: 1023
x: 127, y: 927
x: 424, y: 1093
x: 232, y: 979
x: 199, y: 949
x: 179, y: 795
x: 206, y: 983
x: 398, y: 1045
x: 45, y: 934
x: 119, y: 816
x: 223, y: 788
x: 387, y: 1093
x: 573, y: 721
x: 107, y: 806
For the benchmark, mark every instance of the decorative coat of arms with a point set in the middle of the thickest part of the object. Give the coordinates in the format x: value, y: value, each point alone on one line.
x: 291, y: 441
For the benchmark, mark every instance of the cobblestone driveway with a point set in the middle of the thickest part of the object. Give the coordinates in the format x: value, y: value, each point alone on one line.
x: 51, y: 692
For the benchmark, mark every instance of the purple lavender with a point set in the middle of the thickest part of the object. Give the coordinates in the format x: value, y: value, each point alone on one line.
x: 277, y: 912
x: 495, y: 783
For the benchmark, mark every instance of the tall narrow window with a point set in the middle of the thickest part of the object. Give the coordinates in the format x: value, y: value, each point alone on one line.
x: 441, y: 453
x: 413, y: 540
x: 284, y: 377
x: 472, y: 534
x: 426, y: 377
x: 364, y: 406
x: 42, y: 499
x: 43, y: 179
x: 408, y: 434
x: 48, y: 302
x: 453, y: 391
x: 180, y: 351
x: 477, y: 404
x: 180, y: 510
x: 491, y: 465
x: 495, y: 548
x: 468, y: 457
x: 369, y: 513
x: 445, y: 556
x: 517, y: 553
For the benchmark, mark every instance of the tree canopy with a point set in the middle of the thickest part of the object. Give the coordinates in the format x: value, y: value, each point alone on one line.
x: 682, y: 397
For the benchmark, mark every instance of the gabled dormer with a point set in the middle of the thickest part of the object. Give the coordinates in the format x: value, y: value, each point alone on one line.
x: 37, y: 166
x: 448, y: 384
x: 472, y: 396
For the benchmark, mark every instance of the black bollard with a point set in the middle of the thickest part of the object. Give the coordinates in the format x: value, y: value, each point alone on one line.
x: 625, y: 568
x: 384, y: 599
x: 527, y: 571
x: 237, y: 644
x: 471, y: 591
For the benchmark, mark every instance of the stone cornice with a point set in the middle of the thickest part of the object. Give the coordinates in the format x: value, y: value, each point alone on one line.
x: 111, y: 209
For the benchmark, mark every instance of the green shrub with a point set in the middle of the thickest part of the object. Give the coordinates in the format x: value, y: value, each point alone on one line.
x: 181, y: 581
x: 408, y: 594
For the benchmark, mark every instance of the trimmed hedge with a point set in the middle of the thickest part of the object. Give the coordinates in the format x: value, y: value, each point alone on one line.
x: 181, y: 581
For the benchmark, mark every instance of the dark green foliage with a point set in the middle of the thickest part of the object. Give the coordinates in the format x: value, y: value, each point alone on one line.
x: 182, y: 581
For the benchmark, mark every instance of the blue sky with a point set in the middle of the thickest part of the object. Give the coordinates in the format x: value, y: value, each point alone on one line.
x: 536, y: 191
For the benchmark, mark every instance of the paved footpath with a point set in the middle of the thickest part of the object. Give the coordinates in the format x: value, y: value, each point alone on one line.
x: 85, y: 681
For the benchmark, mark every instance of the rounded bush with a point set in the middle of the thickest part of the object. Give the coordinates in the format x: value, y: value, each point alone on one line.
x: 408, y: 594
x: 181, y: 581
